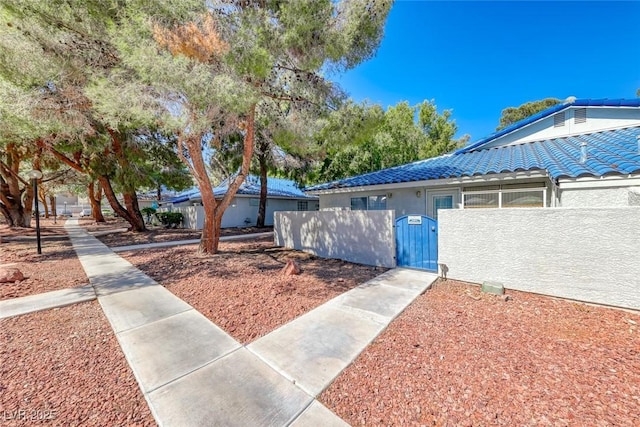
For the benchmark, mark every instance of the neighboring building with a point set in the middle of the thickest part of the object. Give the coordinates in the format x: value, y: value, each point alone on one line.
x: 581, y: 153
x: 149, y: 199
x: 282, y: 195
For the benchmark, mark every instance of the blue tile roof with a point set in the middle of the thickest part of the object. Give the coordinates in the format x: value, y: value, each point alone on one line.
x: 548, y: 112
x: 276, y: 188
x: 608, y: 152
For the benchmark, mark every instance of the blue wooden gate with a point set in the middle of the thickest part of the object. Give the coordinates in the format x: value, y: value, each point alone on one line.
x: 417, y: 242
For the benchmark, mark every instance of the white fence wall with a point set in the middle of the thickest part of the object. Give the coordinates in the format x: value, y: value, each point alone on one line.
x: 600, y: 197
x: 238, y: 212
x: 193, y: 216
x: 241, y: 212
x: 365, y: 237
x: 587, y: 254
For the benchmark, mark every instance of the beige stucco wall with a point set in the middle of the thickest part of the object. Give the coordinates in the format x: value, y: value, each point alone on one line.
x: 588, y: 254
x: 365, y: 237
x: 600, y: 197
x: 240, y: 210
x: 402, y: 201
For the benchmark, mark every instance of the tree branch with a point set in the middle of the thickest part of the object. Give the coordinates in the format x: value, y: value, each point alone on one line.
x: 7, y: 170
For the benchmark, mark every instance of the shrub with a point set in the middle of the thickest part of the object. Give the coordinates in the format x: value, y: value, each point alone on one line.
x: 148, y: 211
x: 170, y: 219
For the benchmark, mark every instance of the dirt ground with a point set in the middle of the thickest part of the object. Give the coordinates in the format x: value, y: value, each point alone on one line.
x: 458, y: 357
x: 64, y: 366
x: 154, y: 233
x: 56, y: 268
x: 242, y: 288
x: 454, y: 357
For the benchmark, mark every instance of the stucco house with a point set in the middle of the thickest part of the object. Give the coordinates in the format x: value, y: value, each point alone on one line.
x: 570, y: 176
x: 580, y: 153
x: 282, y: 195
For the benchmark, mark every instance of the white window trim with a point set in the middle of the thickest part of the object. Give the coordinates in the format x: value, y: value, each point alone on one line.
x: 500, y: 192
x: 455, y: 192
x: 367, y: 198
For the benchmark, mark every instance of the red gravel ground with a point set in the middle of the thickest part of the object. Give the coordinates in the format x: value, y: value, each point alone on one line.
x: 66, y: 367
x: 154, y: 233
x: 57, y: 268
x: 454, y: 357
x: 241, y: 288
x: 460, y: 357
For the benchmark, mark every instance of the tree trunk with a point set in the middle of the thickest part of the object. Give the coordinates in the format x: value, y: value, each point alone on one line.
x: 118, y: 208
x: 95, y: 198
x: 19, y: 217
x: 17, y: 214
x: 45, y: 206
x: 52, y: 202
x: 6, y: 214
x: 134, y: 216
x: 131, y: 202
x: 262, y: 209
x: 211, y: 231
x: 16, y: 209
x: 213, y: 209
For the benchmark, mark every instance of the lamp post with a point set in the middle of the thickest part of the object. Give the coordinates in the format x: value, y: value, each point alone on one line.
x: 35, y: 175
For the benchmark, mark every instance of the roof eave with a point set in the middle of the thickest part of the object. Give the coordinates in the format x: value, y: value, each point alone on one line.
x: 491, y: 138
x: 524, y: 123
x: 537, y: 173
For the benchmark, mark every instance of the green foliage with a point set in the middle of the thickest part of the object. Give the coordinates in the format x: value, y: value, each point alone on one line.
x: 73, y: 89
x: 512, y: 115
x: 360, y: 27
x: 99, y: 80
x: 361, y: 138
x: 170, y: 219
x: 148, y: 212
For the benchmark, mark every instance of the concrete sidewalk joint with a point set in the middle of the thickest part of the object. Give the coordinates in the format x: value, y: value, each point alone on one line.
x: 47, y: 300
x: 192, y: 373
x: 315, y: 348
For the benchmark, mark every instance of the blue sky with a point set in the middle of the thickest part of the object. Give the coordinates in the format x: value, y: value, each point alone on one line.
x: 478, y: 58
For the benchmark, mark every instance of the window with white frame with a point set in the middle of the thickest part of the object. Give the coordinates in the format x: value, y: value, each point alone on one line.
x: 371, y: 203
x: 377, y: 203
x: 530, y: 195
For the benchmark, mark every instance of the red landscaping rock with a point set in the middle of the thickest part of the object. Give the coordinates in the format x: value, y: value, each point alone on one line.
x: 10, y: 274
x: 292, y: 268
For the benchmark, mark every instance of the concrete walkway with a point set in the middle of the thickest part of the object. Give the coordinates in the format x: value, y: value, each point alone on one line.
x: 313, y: 349
x: 29, y: 304
x: 63, y: 297
x: 192, y: 373
x: 189, y: 242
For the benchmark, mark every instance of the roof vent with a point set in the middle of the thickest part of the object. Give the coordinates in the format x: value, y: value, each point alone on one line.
x: 558, y: 120
x: 583, y: 152
x: 580, y: 115
x: 638, y: 139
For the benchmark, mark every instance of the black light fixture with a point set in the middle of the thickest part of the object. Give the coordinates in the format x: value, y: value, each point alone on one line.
x: 35, y: 175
